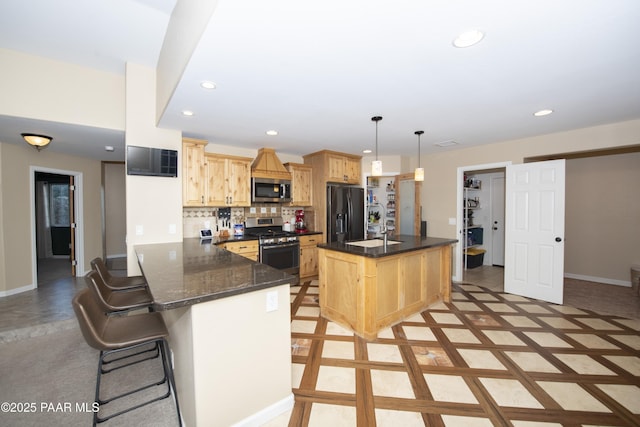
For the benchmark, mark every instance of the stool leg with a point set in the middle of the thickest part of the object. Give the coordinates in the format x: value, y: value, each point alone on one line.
x: 166, y: 360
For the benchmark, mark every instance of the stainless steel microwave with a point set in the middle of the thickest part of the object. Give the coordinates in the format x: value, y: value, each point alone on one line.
x: 266, y: 190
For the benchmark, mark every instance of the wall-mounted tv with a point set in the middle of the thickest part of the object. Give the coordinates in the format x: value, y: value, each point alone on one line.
x: 151, y: 161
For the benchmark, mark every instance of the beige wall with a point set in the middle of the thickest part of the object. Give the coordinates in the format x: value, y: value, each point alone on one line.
x: 115, y: 218
x: 153, y: 203
x: 602, y: 220
x: 43, y: 89
x: 439, y: 189
x: 16, y: 227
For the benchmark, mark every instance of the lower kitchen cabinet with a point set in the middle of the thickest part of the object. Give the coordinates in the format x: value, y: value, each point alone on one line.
x: 247, y: 249
x: 309, y: 254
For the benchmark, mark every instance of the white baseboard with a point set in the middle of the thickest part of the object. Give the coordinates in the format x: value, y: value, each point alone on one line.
x: 116, y: 256
x: 599, y: 280
x: 16, y: 291
x: 268, y: 413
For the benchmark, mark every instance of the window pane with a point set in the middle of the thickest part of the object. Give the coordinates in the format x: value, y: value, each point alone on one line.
x: 59, y: 205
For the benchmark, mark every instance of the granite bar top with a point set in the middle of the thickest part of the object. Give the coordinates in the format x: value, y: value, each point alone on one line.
x: 190, y: 272
x: 407, y: 244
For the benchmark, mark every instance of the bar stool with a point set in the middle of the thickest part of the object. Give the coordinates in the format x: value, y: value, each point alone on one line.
x: 115, y: 334
x: 114, y: 301
x: 117, y: 283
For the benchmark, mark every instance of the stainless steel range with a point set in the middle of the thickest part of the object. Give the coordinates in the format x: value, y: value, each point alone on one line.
x: 277, y: 248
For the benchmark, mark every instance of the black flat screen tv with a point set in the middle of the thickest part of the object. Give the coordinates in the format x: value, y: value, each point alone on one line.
x: 151, y: 161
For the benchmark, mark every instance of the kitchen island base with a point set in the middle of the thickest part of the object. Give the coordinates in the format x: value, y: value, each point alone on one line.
x: 368, y: 294
x: 232, y: 359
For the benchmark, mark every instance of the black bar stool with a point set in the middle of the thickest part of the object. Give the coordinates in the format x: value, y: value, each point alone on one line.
x: 114, y: 301
x: 116, y: 334
x: 117, y: 283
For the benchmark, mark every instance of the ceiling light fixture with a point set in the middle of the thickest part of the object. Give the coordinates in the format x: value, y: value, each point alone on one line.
x: 109, y: 148
x: 187, y: 113
x: 468, y: 38
x: 37, y: 141
x: 419, y: 173
x: 207, y: 85
x: 272, y: 132
x: 544, y: 112
x: 376, y: 165
x: 367, y: 151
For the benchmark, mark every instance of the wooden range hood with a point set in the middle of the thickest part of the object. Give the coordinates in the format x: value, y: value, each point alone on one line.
x: 268, y: 165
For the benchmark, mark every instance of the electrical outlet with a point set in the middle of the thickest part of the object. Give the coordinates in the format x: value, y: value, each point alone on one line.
x: 274, y: 210
x: 172, y: 229
x: 263, y: 210
x: 272, y: 301
x: 452, y: 221
x: 139, y: 230
x: 252, y: 210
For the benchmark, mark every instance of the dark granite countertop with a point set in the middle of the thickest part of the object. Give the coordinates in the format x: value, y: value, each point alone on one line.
x: 408, y: 244
x: 190, y: 272
x: 217, y: 240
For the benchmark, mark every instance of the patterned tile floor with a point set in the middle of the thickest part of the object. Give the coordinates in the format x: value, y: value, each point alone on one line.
x: 487, y: 358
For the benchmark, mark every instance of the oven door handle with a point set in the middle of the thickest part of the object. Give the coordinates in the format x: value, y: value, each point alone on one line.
x: 281, y: 245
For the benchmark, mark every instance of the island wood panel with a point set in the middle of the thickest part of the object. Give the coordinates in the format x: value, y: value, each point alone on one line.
x: 367, y: 294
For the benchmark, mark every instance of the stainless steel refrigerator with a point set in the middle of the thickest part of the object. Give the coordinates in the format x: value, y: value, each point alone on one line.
x: 345, y: 213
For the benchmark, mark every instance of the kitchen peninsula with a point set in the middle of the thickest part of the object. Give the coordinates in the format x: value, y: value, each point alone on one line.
x: 366, y: 286
x: 230, y: 331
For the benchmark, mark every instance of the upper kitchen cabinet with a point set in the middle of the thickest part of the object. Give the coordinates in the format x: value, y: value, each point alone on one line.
x: 228, y: 180
x: 335, y: 167
x: 193, y: 172
x: 213, y: 179
x: 301, y: 183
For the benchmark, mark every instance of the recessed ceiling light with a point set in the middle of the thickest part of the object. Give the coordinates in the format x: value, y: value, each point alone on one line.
x: 446, y: 143
x: 272, y: 132
x: 187, y: 113
x: 108, y: 148
x: 367, y: 151
x: 544, y: 112
x: 208, y: 85
x: 468, y: 38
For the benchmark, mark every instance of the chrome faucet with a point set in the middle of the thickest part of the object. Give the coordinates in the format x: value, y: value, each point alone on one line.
x: 383, y: 227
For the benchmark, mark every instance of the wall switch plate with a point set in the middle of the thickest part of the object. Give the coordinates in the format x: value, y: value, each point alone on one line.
x: 139, y: 230
x: 272, y: 301
x: 252, y: 210
x: 172, y: 229
x: 452, y: 221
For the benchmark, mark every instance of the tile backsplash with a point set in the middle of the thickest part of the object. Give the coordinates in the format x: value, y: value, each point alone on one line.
x: 195, y: 219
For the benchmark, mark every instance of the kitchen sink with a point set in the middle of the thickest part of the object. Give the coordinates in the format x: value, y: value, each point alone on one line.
x: 373, y: 243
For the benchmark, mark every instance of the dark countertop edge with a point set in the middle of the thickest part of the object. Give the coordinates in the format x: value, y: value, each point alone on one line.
x: 409, y: 244
x: 220, y: 295
x: 220, y: 240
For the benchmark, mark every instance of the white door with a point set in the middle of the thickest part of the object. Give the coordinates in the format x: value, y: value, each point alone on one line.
x: 534, y: 230
x: 497, y: 220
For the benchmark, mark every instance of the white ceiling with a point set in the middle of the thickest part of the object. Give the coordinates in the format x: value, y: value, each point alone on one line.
x: 318, y: 71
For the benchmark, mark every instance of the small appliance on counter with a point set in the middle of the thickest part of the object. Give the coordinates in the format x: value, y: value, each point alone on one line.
x: 300, y: 225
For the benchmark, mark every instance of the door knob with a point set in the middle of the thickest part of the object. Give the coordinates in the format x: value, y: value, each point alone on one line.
x: 558, y: 239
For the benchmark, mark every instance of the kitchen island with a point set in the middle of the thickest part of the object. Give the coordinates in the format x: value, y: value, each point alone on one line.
x: 366, y: 286
x: 230, y: 331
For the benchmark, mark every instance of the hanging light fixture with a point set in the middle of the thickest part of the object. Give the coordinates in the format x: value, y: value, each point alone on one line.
x: 419, y: 173
x: 376, y: 165
x: 37, y: 141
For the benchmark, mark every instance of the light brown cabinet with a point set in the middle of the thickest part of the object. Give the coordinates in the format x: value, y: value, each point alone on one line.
x: 367, y: 294
x: 309, y: 254
x: 193, y: 172
x: 246, y: 248
x: 330, y: 167
x: 213, y: 179
x: 228, y: 180
x: 301, y: 183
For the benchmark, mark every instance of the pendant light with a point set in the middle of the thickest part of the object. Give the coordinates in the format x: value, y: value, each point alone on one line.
x: 419, y: 173
x: 376, y: 165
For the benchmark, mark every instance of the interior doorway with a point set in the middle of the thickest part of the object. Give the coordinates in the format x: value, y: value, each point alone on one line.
x: 56, y: 213
x: 487, y: 210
